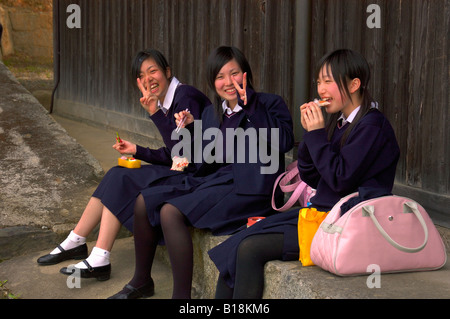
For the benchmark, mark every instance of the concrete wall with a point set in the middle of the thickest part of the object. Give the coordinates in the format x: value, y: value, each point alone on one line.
x: 26, y: 31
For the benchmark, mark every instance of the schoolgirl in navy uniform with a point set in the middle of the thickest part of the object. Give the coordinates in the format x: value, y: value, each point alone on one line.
x: 218, y: 196
x: 112, y: 202
x: 356, y: 149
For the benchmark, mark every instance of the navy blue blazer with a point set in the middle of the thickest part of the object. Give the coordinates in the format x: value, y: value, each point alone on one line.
x: 368, y: 159
x: 263, y: 110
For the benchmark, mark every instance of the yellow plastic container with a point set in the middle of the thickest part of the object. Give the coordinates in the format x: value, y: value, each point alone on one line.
x: 129, y: 162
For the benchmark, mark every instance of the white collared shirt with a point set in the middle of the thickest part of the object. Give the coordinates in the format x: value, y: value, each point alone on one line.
x: 169, y: 95
x: 229, y: 111
x: 350, y: 118
x: 352, y: 115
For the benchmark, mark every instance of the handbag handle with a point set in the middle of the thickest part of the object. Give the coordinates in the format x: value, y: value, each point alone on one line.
x: 286, y: 185
x: 292, y: 200
x: 408, y: 207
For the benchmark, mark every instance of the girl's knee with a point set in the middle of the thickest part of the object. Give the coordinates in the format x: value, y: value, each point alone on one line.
x: 167, y: 209
x: 169, y: 213
x: 262, y: 247
x: 139, y: 206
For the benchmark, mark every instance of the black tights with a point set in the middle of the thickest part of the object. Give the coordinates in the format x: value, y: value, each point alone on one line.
x: 252, y: 255
x: 179, y: 246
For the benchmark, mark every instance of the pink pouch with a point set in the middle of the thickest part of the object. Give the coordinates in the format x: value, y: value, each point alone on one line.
x: 392, y: 232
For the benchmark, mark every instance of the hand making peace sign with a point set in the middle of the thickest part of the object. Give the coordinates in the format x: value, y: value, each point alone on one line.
x: 149, y: 101
x: 242, y: 91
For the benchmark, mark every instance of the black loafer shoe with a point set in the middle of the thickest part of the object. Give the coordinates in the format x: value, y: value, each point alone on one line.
x: 145, y: 291
x: 80, y: 252
x: 101, y: 273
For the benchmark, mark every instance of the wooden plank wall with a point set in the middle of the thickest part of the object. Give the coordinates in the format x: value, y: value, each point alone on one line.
x: 96, y: 59
x: 409, y: 58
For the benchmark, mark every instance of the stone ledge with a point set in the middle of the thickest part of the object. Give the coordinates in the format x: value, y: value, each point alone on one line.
x: 290, y: 280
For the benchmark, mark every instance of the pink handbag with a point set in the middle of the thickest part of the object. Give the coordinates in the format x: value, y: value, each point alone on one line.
x: 392, y: 232
x: 290, y: 182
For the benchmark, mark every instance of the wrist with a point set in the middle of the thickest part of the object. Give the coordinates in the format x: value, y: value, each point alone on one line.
x: 153, y: 112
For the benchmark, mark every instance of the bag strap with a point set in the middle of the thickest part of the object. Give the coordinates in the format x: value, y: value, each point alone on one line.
x: 297, y: 187
x: 408, y: 207
x: 290, y: 179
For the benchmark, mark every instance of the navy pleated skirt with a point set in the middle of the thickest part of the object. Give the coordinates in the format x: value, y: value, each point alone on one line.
x: 120, y: 186
x: 224, y: 255
x: 208, y: 202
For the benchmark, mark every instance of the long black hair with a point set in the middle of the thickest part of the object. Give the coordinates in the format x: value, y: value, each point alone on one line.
x: 346, y: 65
x: 216, y: 60
x: 141, y: 56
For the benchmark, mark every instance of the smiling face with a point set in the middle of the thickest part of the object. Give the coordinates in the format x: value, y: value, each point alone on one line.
x: 154, y: 78
x: 224, y: 84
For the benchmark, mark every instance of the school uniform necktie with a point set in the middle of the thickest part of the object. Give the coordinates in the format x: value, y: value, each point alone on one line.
x: 339, y: 123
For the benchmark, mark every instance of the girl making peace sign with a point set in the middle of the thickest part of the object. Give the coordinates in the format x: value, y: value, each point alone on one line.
x: 113, y: 201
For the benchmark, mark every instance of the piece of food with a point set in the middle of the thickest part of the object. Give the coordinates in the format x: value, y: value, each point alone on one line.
x: 118, y: 138
x: 179, y: 163
x: 322, y: 102
x: 129, y: 162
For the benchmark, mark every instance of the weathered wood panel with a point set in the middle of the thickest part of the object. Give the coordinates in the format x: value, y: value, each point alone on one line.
x: 96, y: 59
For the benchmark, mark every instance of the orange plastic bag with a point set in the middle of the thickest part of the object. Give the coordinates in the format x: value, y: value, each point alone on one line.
x: 309, y: 220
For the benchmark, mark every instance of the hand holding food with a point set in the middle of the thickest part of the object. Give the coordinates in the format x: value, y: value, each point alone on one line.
x: 124, y: 147
x: 182, y: 119
x: 179, y: 163
x: 311, y: 116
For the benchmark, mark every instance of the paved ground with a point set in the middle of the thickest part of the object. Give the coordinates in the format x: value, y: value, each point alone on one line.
x: 28, y: 280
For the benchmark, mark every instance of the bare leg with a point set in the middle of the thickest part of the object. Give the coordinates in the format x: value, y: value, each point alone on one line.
x: 91, y: 217
x: 109, y: 227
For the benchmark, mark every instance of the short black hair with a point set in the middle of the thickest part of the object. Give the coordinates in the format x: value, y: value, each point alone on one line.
x: 141, y: 56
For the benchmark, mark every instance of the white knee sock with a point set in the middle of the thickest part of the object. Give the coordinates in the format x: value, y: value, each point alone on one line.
x: 72, y: 241
x: 98, y: 257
